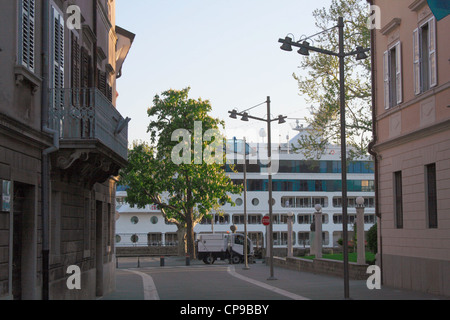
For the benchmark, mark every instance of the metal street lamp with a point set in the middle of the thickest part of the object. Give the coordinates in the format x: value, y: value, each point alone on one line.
x: 281, y: 119
x: 245, y: 207
x: 360, y: 54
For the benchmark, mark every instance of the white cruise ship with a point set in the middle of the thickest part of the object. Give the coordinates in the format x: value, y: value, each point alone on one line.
x: 298, y: 185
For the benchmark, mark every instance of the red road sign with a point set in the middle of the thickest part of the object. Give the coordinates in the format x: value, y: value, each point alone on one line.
x: 266, y: 220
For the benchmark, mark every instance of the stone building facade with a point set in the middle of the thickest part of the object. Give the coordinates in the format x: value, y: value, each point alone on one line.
x: 411, y: 81
x: 62, y: 142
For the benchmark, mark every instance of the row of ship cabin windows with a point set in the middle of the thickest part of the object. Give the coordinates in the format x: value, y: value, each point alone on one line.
x: 256, y: 219
x: 311, y: 202
x: 261, y: 185
x: 299, y: 202
x: 304, y: 166
x: 280, y: 238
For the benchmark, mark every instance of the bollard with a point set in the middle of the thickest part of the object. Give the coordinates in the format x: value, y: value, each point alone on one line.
x: 162, y: 261
x: 188, y: 260
x: 139, y: 262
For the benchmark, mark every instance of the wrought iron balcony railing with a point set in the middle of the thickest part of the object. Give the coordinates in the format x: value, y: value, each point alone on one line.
x: 86, y: 114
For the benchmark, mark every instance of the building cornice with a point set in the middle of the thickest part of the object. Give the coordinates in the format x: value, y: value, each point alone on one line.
x: 417, y: 5
x: 394, y: 23
x: 416, y: 100
x: 413, y: 136
x: 24, y: 133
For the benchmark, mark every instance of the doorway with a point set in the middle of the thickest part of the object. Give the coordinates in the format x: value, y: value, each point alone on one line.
x: 24, y: 242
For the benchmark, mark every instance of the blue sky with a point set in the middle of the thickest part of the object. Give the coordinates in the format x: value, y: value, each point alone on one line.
x: 226, y: 51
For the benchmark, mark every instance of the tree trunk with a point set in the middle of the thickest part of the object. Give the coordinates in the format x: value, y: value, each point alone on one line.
x: 190, y: 239
x: 181, y: 233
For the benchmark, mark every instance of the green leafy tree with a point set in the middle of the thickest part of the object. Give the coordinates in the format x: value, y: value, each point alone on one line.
x: 188, y: 190
x: 372, y: 238
x: 321, y: 85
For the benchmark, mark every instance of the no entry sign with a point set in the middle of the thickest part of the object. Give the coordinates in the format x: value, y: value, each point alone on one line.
x: 266, y: 220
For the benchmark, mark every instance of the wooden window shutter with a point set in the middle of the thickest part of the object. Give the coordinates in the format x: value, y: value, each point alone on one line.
x: 27, y: 33
x: 432, y: 52
x: 76, y: 72
x: 102, y: 85
x: 58, y: 49
x: 386, y: 80
x: 416, y: 61
x: 110, y: 93
x: 398, y: 75
x: 85, y: 68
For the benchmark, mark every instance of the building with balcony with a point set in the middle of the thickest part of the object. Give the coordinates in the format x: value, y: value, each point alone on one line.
x: 411, y: 103
x: 62, y: 142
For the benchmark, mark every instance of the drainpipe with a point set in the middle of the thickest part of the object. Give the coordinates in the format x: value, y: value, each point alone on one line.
x: 374, y: 142
x: 45, y: 196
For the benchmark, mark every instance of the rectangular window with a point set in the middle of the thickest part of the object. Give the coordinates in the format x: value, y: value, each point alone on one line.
x: 76, y: 62
x: 154, y: 239
x: 303, y: 238
x: 255, y: 219
x: 284, y: 219
x: 238, y: 219
x: 283, y: 236
x: 393, y: 76
x: 338, y: 219
x: 171, y: 239
x: 304, y: 219
x: 275, y: 218
x: 431, y: 194
x: 222, y: 219
x: 27, y: 33
x: 58, y: 49
x: 398, y: 200
x: 424, y: 53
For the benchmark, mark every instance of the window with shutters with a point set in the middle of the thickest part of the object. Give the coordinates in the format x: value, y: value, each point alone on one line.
x: 58, y: 49
x: 424, y: 50
x: 27, y: 24
x: 57, y: 62
x: 393, y: 93
x: 76, y: 62
x: 86, y: 68
x: 102, y: 85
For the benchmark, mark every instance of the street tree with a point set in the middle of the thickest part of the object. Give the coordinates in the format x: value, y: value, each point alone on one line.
x: 320, y: 85
x: 182, y: 169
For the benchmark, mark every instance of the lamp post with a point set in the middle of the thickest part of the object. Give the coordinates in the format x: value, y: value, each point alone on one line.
x: 281, y: 119
x: 360, y: 55
x: 245, y: 207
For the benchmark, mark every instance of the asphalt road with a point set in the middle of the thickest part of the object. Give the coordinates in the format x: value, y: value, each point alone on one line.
x: 225, y: 282
x: 206, y: 282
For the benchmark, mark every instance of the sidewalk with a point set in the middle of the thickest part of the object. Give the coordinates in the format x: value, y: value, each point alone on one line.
x: 130, y: 285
